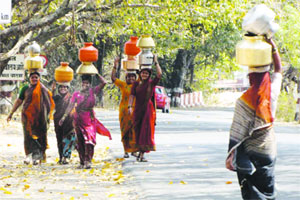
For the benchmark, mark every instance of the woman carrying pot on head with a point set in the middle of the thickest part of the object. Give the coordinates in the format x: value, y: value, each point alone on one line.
x: 126, y: 123
x: 65, y: 134
x: 37, y: 107
x: 252, y: 145
x: 144, y: 111
x: 85, y: 122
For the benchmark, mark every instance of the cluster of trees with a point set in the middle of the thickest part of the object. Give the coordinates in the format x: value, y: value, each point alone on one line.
x: 195, y: 40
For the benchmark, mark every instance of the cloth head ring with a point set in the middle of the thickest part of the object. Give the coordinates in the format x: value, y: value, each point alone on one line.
x: 258, y: 69
x: 64, y: 83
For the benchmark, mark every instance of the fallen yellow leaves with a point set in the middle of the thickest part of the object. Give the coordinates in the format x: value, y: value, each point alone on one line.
x: 111, y: 195
x: 5, y: 191
x: 26, y: 186
x: 183, y: 182
x: 5, y: 177
x: 228, y: 182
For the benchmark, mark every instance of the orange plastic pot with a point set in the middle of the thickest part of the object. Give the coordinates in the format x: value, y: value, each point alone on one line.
x: 88, y: 53
x: 130, y: 47
x: 63, y: 73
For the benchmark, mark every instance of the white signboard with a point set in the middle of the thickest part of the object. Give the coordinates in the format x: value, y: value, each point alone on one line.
x: 15, y: 69
x: 5, y: 11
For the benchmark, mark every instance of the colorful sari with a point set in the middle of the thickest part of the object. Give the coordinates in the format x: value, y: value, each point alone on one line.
x: 126, y: 122
x: 144, y: 114
x: 252, y: 146
x: 37, y: 108
x: 86, y: 124
x: 65, y: 134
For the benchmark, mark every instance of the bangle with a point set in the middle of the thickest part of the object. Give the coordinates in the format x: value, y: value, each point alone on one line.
x: 274, y: 50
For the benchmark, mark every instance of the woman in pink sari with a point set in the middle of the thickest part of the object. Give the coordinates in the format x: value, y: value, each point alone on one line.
x: 85, y: 122
x: 144, y: 113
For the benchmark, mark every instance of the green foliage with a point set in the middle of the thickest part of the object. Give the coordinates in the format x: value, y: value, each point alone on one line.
x: 208, y: 29
x: 285, y: 108
x: 289, y: 35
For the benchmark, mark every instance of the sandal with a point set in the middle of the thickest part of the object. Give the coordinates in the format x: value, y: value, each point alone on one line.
x: 134, y: 154
x: 36, y: 162
x: 126, y: 155
x: 87, y: 165
x: 80, y: 166
x: 64, y: 161
x: 143, y: 159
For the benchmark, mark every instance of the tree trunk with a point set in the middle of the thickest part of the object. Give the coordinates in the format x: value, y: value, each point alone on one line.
x: 184, y: 59
x: 99, y: 66
x: 297, y: 115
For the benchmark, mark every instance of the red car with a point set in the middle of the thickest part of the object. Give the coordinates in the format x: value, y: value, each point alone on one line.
x: 162, y: 99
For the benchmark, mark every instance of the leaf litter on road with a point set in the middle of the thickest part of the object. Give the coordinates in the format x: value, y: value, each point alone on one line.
x: 57, y: 181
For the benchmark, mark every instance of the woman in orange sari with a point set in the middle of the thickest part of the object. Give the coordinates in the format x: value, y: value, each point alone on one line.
x: 126, y: 125
x: 37, y: 107
x: 144, y: 113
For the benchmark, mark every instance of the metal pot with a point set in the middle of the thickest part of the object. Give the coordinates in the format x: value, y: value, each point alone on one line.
x: 87, y: 68
x: 146, y: 57
x: 146, y: 41
x: 253, y: 51
x: 63, y: 73
x: 130, y: 64
x: 34, y: 49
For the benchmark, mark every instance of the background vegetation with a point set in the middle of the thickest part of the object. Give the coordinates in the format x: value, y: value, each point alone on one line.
x: 195, y: 40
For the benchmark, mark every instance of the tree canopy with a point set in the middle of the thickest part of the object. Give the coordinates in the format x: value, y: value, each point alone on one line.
x: 195, y: 40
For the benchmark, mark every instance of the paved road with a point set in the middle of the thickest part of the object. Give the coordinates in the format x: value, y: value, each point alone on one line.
x: 190, y: 156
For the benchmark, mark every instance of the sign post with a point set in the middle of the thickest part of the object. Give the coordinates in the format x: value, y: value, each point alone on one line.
x: 14, y: 69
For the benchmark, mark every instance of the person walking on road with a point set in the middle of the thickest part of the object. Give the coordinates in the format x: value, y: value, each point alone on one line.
x: 37, y: 108
x: 126, y: 123
x: 144, y: 113
x: 65, y: 134
x: 252, y: 145
x: 85, y: 122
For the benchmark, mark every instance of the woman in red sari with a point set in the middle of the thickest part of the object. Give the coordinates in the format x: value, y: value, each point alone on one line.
x: 144, y: 112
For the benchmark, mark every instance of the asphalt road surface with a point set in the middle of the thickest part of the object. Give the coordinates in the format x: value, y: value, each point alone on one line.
x: 189, y: 162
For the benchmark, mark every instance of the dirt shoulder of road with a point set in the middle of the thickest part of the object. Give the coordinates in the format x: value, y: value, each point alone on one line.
x: 106, y: 179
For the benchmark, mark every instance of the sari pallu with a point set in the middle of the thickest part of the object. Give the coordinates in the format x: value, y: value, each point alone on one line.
x: 65, y: 134
x: 144, y: 114
x: 86, y: 125
x: 252, y: 145
x: 37, y: 108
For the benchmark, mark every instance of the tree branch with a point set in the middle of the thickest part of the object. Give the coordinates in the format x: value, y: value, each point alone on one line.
x: 65, y: 7
x: 4, y: 57
x: 142, y: 5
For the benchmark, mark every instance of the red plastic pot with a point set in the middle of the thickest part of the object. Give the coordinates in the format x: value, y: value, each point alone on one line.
x: 130, y: 47
x: 88, y: 53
